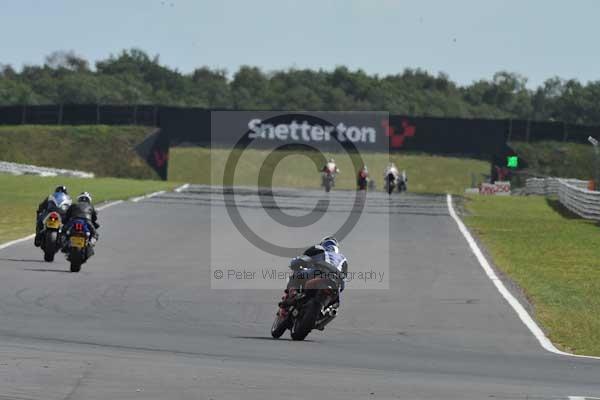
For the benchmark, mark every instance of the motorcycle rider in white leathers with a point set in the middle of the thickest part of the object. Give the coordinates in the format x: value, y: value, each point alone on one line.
x: 327, y: 251
x: 331, y: 167
x: 391, y: 169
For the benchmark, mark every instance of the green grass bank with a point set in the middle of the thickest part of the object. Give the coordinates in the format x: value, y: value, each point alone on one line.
x: 20, y: 196
x: 553, y: 256
x: 101, y: 149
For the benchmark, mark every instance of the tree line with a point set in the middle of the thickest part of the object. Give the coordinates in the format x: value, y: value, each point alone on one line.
x: 134, y: 77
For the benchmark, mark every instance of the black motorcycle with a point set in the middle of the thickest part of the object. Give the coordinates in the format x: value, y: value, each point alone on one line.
x: 311, y: 300
x: 52, y: 224
x: 79, y: 245
x: 393, y: 181
x: 390, y: 182
x: 328, y: 180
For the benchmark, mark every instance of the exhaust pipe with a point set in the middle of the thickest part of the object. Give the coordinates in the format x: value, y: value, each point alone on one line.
x: 329, y: 316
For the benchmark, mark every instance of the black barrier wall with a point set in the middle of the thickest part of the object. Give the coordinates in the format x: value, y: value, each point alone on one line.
x: 473, y: 137
x: 159, y: 116
x: 476, y: 138
x: 480, y: 138
x: 80, y: 114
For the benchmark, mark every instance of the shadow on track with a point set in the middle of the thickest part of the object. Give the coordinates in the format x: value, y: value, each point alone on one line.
x: 269, y: 338
x: 22, y: 260
x: 47, y: 270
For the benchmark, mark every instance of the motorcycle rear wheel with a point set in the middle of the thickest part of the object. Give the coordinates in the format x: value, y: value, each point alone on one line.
x: 76, y: 260
x: 50, y: 244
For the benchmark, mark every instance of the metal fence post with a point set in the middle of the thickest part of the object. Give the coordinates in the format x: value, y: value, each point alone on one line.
x: 595, y: 143
x: 597, y: 172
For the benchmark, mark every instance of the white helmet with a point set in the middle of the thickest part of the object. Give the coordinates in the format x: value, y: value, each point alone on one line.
x: 330, y: 243
x: 84, y: 197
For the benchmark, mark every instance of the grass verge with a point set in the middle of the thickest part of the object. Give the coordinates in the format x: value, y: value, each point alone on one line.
x: 553, y: 256
x: 426, y: 173
x: 20, y: 196
x: 104, y: 150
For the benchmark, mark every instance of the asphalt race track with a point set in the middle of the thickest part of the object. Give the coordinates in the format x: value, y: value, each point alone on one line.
x: 142, y: 322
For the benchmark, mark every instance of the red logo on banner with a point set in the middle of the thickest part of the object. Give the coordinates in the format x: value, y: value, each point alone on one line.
x: 160, y: 158
x: 396, y: 138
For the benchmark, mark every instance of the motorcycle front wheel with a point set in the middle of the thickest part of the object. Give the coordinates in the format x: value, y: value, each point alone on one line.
x: 280, y: 325
x: 306, y: 322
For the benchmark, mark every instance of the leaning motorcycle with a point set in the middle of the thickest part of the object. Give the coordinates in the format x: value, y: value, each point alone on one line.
x: 309, y: 303
x: 79, y: 244
x: 52, y: 224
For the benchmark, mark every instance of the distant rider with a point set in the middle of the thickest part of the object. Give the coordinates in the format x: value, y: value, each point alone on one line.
x: 363, y: 175
x: 330, y: 167
x: 401, y: 178
x: 42, y: 210
x: 391, y: 169
x: 327, y: 252
x: 84, y: 209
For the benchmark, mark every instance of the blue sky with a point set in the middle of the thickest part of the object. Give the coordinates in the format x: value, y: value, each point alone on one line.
x: 467, y: 39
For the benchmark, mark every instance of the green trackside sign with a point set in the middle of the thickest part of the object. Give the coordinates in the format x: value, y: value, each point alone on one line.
x: 512, y: 161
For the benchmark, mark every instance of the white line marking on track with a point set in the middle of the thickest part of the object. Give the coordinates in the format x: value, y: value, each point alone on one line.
x: 16, y: 241
x: 182, y: 188
x: 514, y: 303
x: 112, y: 203
x: 146, y: 196
x: 583, y: 398
x: 29, y: 237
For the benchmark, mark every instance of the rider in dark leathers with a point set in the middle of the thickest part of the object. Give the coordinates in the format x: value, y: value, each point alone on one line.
x: 84, y: 209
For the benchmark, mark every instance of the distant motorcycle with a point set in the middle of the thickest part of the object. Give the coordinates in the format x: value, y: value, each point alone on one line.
x: 79, y: 244
x: 52, y: 223
x: 363, y: 180
x: 402, y: 182
x: 308, y: 304
x: 391, y: 180
x: 395, y: 180
x: 328, y: 179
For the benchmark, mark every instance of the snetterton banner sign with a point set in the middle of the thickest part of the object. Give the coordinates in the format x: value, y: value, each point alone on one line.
x: 321, y: 130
